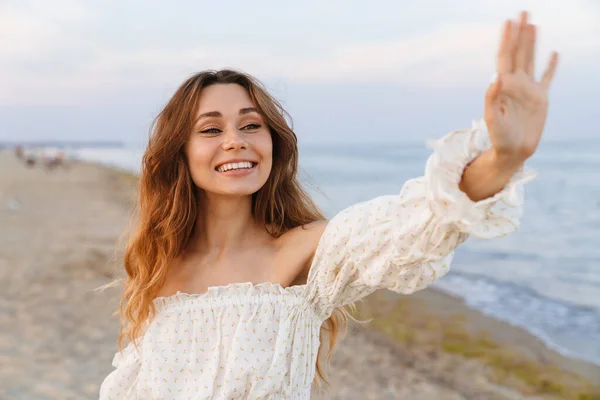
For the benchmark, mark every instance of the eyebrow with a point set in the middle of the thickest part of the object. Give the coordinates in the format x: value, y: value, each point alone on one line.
x: 242, y: 111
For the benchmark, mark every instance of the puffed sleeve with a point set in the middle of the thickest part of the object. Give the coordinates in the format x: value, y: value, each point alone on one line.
x: 405, y: 242
x: 121, y: 382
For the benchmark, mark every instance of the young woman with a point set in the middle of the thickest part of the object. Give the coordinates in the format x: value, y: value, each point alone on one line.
x: 232, y: 273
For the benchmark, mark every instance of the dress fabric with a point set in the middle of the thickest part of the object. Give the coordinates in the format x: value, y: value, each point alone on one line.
x: 260, y: 341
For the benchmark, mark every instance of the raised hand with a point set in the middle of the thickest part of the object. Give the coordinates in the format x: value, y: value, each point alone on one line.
x: 516, y: 104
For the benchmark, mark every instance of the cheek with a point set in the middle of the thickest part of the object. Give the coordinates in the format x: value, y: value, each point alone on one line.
x: 265, y: 148
x: 199, y: 159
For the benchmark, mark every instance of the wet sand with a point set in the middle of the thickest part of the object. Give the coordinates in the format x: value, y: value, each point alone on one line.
x: 59, y: 231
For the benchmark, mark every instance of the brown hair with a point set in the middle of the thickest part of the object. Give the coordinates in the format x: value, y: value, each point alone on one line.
x: 168, y: 202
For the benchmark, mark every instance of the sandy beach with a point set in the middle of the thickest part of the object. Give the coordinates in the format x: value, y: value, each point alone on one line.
x: 59, y: 232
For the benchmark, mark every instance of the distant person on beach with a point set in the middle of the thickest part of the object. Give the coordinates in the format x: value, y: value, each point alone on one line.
x: 19, y: 152
x: 54, y: 160
x: 30, y: 159
x: 233, y: 274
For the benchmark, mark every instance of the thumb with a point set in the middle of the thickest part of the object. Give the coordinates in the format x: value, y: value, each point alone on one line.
x: 493, y: 90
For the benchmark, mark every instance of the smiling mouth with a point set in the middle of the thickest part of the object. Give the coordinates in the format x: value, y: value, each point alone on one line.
x: 236, y: 166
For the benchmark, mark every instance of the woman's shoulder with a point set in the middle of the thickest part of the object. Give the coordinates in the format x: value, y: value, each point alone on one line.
x: 297, y: 248
x: 305, y: 236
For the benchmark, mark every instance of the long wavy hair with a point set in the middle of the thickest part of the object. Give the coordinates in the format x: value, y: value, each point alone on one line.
x: 168, y: 202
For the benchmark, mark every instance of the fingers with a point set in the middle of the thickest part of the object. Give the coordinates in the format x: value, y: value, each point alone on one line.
x: 530, y: 59
x: 517, y: 52
x: 517, y: 46
x: 550, y: 70
x: 523, y: 43
x: 505, y: 51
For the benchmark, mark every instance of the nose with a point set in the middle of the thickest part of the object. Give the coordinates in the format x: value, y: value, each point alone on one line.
x: 233, y: 140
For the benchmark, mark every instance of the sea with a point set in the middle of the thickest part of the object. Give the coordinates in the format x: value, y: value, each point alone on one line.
x: 545, y: 277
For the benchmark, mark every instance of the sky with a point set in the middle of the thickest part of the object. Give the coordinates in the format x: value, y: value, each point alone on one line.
x: 349, y: 70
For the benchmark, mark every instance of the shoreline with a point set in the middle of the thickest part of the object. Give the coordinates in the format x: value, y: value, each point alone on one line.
x: 541, y: 336
x: 507, y: 333
x: 64, y: 226
x: 442, y: 324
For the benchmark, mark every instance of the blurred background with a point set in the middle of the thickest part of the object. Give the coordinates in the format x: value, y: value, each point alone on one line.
x: 367, y: 84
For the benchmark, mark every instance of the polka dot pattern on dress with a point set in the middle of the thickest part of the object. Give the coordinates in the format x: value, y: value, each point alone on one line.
x: 260, y: 341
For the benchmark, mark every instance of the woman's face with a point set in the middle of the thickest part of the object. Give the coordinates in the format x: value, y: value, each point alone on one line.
x: 230, y: 147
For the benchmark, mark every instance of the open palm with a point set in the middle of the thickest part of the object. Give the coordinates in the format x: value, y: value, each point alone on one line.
x: 516, y: 105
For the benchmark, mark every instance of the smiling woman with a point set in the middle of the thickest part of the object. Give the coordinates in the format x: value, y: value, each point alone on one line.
x: 233, y: 275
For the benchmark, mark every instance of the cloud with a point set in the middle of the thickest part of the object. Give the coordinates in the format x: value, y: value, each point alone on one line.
x: 33, y: 29
x: 64, y: 53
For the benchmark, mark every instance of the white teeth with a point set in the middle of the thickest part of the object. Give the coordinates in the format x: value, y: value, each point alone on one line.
x: 237, y: 165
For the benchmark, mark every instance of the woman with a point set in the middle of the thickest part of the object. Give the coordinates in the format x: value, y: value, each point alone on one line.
x: 232, y: 272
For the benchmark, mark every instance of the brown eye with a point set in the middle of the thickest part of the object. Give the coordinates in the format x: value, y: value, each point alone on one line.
x: 251, y: 127
x: 211, y: 130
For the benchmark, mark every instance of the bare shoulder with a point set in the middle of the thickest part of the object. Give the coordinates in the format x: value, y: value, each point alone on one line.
x: 305, y: 235
x: 297, y: 249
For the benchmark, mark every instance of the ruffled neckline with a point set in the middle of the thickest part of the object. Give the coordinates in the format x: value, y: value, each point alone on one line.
x: 230, y: 291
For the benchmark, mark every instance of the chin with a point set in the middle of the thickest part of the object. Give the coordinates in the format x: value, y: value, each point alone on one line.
x: 240, y: 191
x: 237, y: 189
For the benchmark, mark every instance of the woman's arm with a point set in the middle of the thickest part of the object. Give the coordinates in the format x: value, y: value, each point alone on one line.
x: 488, y: 174
x: 472, y: 186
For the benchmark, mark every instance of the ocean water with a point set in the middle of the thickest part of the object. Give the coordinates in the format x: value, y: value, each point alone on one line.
x: 545, y: 277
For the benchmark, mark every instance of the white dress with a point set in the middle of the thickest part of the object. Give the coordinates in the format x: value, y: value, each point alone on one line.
x: 260, y: 341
